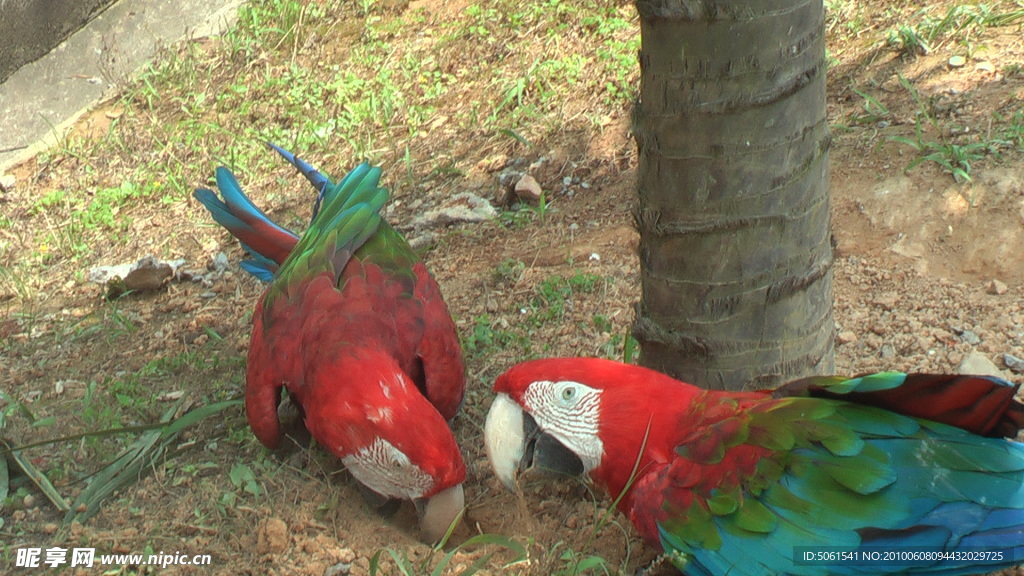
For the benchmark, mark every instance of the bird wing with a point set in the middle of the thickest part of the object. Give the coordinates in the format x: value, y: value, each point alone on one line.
x: 752, y: 481
x: 984, y: 405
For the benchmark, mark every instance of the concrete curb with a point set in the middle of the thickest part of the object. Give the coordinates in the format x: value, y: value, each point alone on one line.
x: 40, y: 102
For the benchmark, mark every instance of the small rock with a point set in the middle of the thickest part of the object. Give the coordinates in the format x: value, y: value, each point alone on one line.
x: 968, y: 336
x: 887, y: 300
x: 888, y: 352
x: 339, y: 569
x: 7, y: 182
x: 423, y: 241
x: 219, y: 263
x: 508, y: 178
x: 986, y: 66
x: 957, y: 61
x: 997, y: 288
x: 979, y: 364
x: 348, y: 555
x: 464, y: 207
x: 148, y: 273
x: 50, y: 528
x: 846, y: 337
x: 528, y: 189
x: 1015, y: 364
x: 272, y: 537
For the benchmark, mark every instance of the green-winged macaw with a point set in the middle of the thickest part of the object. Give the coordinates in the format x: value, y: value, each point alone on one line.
x: 354, y: 327
x: 744, y: 483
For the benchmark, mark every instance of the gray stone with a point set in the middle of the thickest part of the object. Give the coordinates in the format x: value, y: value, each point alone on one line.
x: 464, y: 207
x: 339, y: 569
x: 1016, y: 365
x: 979, y: 364
x: 220, y: 263
x: 968, y: 337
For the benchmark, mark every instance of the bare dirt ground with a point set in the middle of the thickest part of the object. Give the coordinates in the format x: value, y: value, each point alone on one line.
x: 921, y: 258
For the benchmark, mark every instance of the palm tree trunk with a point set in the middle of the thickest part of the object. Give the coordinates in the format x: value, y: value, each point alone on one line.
x: 735, y: 242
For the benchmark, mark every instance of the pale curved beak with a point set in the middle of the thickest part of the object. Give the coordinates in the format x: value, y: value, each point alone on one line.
x: 441, y: 512
x: 505, y: 439
x: 516, y: 445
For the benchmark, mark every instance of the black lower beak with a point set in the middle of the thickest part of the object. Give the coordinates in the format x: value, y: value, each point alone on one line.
x: 546, y: 454
x: 384, y: 506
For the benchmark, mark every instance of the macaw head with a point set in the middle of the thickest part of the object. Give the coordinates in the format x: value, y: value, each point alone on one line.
x: 579, y: 416
x: 370, y: 414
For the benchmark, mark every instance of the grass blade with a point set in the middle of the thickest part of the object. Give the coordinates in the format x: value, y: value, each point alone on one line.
x: 34, y: 474
x: 131, y: 465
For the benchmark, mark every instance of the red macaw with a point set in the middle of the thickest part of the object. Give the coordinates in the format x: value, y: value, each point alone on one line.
x: 354, y: 327
x: 747, y: 483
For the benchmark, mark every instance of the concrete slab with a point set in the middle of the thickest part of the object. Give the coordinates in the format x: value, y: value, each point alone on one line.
x: 29, y: 29
x: 42, y: 99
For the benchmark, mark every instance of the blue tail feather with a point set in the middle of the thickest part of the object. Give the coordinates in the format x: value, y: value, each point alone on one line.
x: 322, y: 183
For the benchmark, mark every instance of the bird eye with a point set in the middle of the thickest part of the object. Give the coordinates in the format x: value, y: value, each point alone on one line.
x: 568, y: 393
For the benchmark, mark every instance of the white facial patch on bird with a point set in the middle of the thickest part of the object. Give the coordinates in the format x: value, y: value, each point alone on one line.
x: 387, y: 471
x: 568, y: 411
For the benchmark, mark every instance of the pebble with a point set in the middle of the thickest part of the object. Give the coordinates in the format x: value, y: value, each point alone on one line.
x: 7, y: 182
x: 887, y: 300
x: 997, y: 288
x: 977, y: 363
x: 1013, y: 363
x: 339, y: 569
x: 423, y: 241
x: 888, y: 352
x: 528, y: 189
x: 846, y: 337
x: 969, y: 337
x: 219, y: 263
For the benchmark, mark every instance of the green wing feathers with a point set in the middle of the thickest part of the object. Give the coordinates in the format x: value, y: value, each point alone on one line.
x: 804, y: 471
x: 349, y: 216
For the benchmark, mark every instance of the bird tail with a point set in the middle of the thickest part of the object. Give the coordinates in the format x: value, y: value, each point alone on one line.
x: 268, y: 243
x: 345, y: 216
x: 983, y: 405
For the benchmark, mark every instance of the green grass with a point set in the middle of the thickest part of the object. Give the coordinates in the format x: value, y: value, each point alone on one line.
x: 956, y: 158
x: 963, y: 24
x: 556, y: 295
